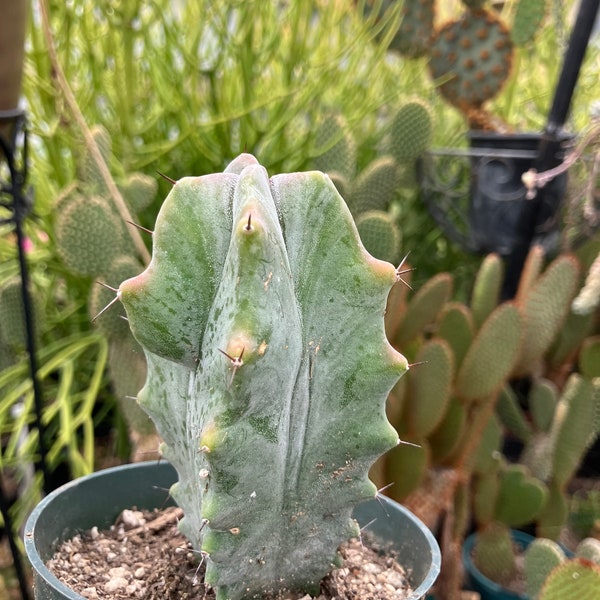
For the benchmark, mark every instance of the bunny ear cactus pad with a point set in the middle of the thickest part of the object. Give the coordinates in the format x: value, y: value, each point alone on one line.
x: 261, y: 316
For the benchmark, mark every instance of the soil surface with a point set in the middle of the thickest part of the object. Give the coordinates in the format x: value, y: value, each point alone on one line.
x: 144, y: 556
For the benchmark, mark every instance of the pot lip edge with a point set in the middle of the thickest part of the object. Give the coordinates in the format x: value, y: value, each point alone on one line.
x: 45, y: 573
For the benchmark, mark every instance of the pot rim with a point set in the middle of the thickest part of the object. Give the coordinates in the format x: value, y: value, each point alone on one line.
x: 39, y: 565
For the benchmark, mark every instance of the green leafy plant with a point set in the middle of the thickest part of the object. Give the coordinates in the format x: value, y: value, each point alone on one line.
x: 70, y: 375
x: 261, y: 317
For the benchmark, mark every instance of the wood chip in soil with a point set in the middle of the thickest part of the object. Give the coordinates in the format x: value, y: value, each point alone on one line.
x: 145, y: 556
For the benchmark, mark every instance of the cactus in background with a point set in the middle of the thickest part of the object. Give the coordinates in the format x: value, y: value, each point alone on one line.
x: 573, y: 579
x: 12, y: 318
x: 588, y: 298
x: 527, y: 20
x: 472, y: 57
x: 457, y: 404
x: 505, y: 497
x: 261, y: 317
x: 411, y: 129
x: 416, y: 27
x: 371, y: 192
x: 379, y: 234
x: 541, y: 557
x: 87, y: 235
x: 94, y: 241
x: 446, y: 402
x: 412, y: 35
x: 375, y: 186
x: 335, y: 148
x: 584, y: 513
x: 549, y: 574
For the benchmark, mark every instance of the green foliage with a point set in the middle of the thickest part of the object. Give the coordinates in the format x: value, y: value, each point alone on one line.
x: 68, y: 412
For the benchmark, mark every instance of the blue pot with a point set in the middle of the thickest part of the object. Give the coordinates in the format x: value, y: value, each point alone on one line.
x: 97, y: 500
x: 478, y: 582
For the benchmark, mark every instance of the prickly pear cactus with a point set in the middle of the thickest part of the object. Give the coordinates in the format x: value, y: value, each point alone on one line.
x: 416, y: 28
x: 261, y: 316
x: 472, y: 56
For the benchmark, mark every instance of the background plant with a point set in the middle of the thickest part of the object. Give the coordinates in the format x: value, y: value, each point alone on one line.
x: 183, y: 88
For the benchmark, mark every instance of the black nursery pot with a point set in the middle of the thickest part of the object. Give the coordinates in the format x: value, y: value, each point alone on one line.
x: 97, y: 500
x: 500, y: 215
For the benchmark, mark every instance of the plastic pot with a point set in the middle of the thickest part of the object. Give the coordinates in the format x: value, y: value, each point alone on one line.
x: 500, y: 213
x: 99, y: 498
x: 478, y: 582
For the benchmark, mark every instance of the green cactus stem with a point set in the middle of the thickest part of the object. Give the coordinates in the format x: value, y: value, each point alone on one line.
x: 261, y: 316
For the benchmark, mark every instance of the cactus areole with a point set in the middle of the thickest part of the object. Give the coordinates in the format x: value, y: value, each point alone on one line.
x: 261, y: 316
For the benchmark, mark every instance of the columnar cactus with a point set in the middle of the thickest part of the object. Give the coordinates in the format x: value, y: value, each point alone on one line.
x: 261, y: 316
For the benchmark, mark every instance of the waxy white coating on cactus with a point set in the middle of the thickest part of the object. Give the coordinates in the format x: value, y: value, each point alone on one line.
x: 261, y: 316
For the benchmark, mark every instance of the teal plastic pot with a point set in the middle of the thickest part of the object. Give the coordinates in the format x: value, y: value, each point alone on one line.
x: 478, y: 582
x: 99, y: 498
